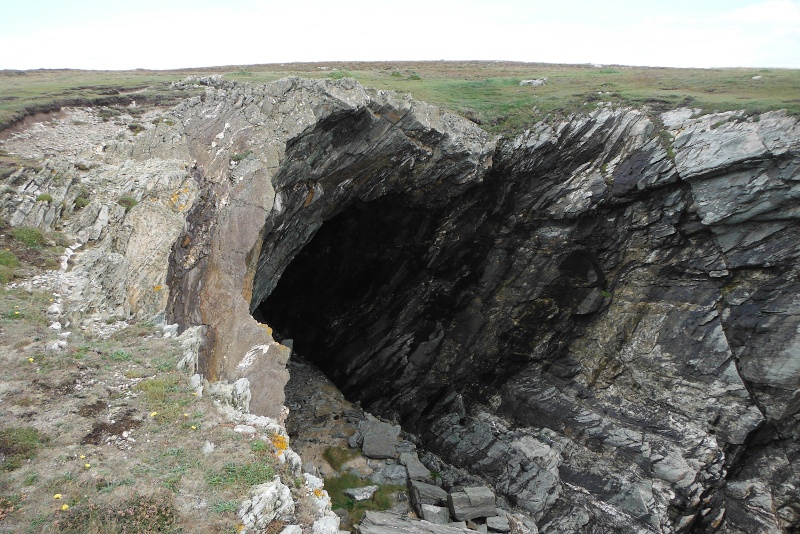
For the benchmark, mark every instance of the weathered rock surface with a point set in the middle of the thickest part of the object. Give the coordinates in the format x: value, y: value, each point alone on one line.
x: 598, y: 318
x: 386, y: 523
x: 472, y: 502
x: 267, y: 502
x: 361, y: 494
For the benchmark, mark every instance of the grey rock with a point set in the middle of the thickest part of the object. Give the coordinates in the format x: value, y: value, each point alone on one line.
x: 470, y: 503
x: 378, y: 439
x: 387, y: 523
x: 415, y: 469
x: 535, y: 82
x: 435, y: 514
x: 498, y: 524
x: 389, y: 474
x: 361, y: 494
x: 628, y: 281
x: 422, y: 493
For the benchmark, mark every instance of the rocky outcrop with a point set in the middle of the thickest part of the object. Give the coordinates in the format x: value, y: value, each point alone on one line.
x: 597, y: 318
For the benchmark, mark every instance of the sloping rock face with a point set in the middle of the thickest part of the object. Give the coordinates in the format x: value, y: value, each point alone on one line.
x: 603, y: 326
x: 598, y: 318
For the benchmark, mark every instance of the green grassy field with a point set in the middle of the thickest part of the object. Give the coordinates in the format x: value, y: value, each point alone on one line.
x: 487, y: 92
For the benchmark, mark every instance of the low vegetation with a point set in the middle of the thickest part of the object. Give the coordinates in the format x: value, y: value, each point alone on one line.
x: 338, y: 456
x: 127, y: 202
x: 487, y: 92
x: 381, y: 500
x: 106, y: 436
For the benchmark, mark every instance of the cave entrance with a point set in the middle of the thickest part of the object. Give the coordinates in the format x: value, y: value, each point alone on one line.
x: 350, y: 282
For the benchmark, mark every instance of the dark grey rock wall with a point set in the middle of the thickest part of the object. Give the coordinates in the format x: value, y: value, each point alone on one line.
x: 598, y: 318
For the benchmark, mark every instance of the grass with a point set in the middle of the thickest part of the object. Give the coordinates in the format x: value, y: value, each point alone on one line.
x: 241, y: 475
x: 241, y: 156
x: 489, y: 91
x: 8, y: 259
x: 140, y: 513
x: 18, y: 445
x: 129, y: 486
x: 381, y: 500
x: 127, y: 202
x: 29, y: 236
x: 338, y: 456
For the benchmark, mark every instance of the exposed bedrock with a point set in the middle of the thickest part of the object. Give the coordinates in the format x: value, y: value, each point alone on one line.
x: 600, y: 318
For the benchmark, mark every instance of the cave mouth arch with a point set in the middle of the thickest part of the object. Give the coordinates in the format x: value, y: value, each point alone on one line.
x: 346, y: 289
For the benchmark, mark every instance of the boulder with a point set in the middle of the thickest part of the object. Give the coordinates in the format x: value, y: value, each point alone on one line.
x: 470, y: 503
x: 378, y: 439
x: 267, y: 502
x: 435, y: 514
x: 415, y: 469
x: 389, y: 474
x: 498, y: 524
x: 422, y: 493
x: 361, y: 494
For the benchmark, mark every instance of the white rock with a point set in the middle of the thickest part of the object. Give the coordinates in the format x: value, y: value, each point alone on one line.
x: 292, y: 529
x: 208, y: 448
x: 56, y: 326
x: 313, y: 482
x: 361, y: 494
x: 267, y: 502
x: 244, y: 429
x: 326, y: 525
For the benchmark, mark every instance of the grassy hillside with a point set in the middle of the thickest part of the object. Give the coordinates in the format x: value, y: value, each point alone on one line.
x: 487, y: 92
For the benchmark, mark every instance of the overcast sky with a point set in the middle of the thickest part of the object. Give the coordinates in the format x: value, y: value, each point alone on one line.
x: 164, y: 34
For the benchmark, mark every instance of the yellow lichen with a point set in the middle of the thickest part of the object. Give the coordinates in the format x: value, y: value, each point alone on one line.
x: 279, y: 442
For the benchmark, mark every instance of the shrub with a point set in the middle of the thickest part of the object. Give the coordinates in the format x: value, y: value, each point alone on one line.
x: 136, y: 128
x: 339, y: 74
x: 8, y: 259
x: 30, y: 236
x: 44, y: 197
x: 396, y: 74
x: 82, y: 200
x: 127, y: 202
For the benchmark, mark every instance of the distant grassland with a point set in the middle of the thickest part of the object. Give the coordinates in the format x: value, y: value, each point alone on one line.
x: 486, y: 92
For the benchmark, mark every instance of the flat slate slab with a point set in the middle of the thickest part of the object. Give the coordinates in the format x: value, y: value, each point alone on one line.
x: 388, y: 523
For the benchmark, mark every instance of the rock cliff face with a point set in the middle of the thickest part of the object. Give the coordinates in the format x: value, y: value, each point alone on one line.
x: 598, y: 318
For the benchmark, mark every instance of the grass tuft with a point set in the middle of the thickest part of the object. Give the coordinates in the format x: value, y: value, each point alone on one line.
x: 30, y: 236
x: 241, y: 475
x: 338, y: 456
x: 127, y: 202
x: 381, y: 500
x: 19, y: 445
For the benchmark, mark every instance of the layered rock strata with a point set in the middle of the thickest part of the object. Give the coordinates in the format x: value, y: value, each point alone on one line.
x: 598, y: 318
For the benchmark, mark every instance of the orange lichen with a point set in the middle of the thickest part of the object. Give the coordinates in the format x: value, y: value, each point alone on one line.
x: 279, y: 442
